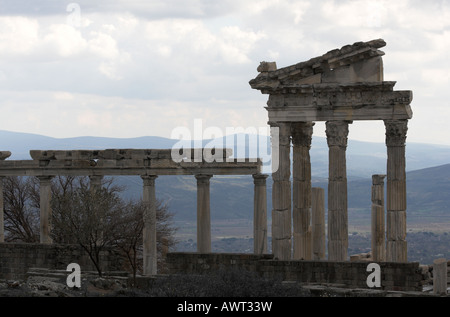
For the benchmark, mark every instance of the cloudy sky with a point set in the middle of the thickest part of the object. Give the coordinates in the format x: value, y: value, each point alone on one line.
x: 132, y: 68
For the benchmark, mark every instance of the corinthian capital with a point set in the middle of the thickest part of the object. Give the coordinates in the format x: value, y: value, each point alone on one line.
x: 396, y: 131
x: 302, y: 133
x: 281, y: 131
x: 337, y: 133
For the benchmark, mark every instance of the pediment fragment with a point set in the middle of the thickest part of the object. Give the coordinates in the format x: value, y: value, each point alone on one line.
x: 360, y: 62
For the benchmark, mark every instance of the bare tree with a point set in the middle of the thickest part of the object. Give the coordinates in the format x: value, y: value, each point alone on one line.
x: 94, y: 219
x: 86, y: 217
x: 62, y: 195
x: 20, y: 210
x: 129, y: 234
x: 165, y: 232
x: 101, y: 218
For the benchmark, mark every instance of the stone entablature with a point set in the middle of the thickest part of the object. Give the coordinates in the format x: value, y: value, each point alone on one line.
x: 123, y: 154
x: 325, y: 102
x: 130, y: 162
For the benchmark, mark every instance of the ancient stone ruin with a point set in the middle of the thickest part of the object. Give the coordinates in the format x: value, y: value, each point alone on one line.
x: 339, y: 87
x: 149, y: 164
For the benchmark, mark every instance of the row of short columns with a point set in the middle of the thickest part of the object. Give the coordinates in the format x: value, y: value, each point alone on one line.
x: 302, y: 228
x: 203, y: 218
x: 150, y: 228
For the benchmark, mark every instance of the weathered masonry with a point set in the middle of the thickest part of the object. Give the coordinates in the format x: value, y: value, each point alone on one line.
x: 394, y: 276
x: 340, y: 87
x: 149, y: 164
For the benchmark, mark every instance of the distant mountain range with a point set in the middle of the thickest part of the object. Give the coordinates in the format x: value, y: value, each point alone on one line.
x: 428, y: 177
x: 363, y: 158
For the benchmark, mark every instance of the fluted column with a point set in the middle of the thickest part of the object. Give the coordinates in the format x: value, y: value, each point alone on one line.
x: 281, y: 191
x: 378, y: 223
x: 396, y: 247
x: 318, y: 224
x: 203, y: 214
x: 45, y: 208
x: 260, y: 214
x: 301, y: 190
x: 440, y: 269
x: 149, y: 230
x: 337, y: 133
x: 2, y: 214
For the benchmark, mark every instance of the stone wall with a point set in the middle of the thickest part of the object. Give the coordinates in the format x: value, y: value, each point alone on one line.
x: 17, y: 258
x: 394, y: 276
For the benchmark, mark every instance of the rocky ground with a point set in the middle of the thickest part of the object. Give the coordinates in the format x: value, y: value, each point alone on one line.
x: 56, y: 286
x: 44, y: 283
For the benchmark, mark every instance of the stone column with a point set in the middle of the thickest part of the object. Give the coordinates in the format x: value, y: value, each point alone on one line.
x: 318, y: 224
x: 164, y: 248
x: 260, y: 214
x: 45, y: 208
x: 378, y: 224
x: 203, y: 214
x: 95, y: 182
x: 396, y: 248
x: 301, y: 190
x: 440, y: 276
x: 149, y: 230
x: 3, y: 156
x: 337, y: 133
x: 2, y: 215
x: 281, y: 191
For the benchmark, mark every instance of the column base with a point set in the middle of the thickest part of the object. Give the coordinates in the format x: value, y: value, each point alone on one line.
x: 303, y: 246
x: 396, y: 251
x: 338, y: 250
x: 281, y: 234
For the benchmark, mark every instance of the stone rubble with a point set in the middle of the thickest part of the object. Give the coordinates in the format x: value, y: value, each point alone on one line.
x: 39, y: 286
x: 46, y: 283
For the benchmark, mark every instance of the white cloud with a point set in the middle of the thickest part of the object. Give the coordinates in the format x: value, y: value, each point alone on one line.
x: 192, y: 37
x: 64, y: 40
x: 236, y: 44
x: 136, y: 68
x: 72, y: 114
x: 63, y: 95
x: 103, y: 45
x: 18, y: 35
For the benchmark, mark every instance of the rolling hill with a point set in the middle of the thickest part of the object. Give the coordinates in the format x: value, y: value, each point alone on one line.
x: 428, y: 177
